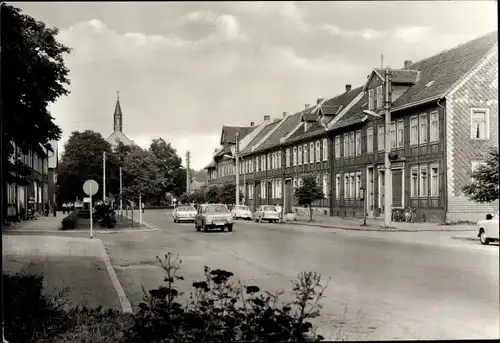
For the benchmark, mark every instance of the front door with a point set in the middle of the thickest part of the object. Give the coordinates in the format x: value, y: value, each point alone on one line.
x: 269, y: 192
x: 381, y: 190
x: 370, y: 200
x: 256, y: 195
x: 288, y: 196
x: 397, y: 188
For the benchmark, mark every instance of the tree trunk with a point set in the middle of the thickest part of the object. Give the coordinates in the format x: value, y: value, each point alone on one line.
x: 310, y: 213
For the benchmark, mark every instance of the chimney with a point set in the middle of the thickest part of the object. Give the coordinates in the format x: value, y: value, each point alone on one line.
x: 347, y: 88
x: 307, y: 106
x: 284, y: 114
x: 407, y: 63
x: 252, y: 124
x: 267, y: 118
x: 319, y: 101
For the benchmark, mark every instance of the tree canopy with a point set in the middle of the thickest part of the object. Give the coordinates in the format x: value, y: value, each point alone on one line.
x: 33, y: 77
x: 484, y: 187
x: 169, y: 165
x: 308, y: 192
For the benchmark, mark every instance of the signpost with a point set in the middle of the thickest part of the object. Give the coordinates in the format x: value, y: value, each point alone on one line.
x: 175, y: 202
x: 90, y: 187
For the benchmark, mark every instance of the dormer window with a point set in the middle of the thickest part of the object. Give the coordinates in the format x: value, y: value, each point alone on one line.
x: 380, y: 98
x: 370, y: 99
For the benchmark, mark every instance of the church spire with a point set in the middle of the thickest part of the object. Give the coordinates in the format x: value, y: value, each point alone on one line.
x: 117, y: 116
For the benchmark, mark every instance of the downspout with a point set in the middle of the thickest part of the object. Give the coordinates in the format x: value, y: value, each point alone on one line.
x: 445, y: 148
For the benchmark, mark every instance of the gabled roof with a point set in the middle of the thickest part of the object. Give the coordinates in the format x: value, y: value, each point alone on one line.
x: 445, y: 69
x: 228, y: 134
x: 248, y: 149
x: 354, y: 115
x: 225, y: 150
x: 210, y: 165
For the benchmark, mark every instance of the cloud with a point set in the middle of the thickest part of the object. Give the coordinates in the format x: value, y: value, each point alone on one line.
x: 413, y: 34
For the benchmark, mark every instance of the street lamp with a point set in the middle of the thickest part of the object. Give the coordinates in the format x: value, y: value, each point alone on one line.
x: 387, y: 161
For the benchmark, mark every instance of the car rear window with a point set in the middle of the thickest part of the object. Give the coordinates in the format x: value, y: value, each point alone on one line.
x: 245, y: 208
x: 269, y: 208
x: 215, y: 209
x: 185, y: 208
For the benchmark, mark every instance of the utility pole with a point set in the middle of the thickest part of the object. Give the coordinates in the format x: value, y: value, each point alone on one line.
x: 121, y: 194
x: 237, y: 163
x: 104, y: 177
x: 188, y: 173
x: 388, y: 172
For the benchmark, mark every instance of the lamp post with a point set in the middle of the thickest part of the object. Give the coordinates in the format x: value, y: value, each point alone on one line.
x: 104, y: 177
x: 387, y: 150
x: 244, y: 179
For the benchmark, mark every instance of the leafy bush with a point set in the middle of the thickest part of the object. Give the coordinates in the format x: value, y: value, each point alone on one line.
x: 217, y: 310
x: 105, y: 215
x: 70, y: 222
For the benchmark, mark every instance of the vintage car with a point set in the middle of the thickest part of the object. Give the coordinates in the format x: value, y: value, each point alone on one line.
x: 184, y: 214
x: 241, y: 212
x: 488, y: 229
x: 212, y: 216
x: 266, y: 212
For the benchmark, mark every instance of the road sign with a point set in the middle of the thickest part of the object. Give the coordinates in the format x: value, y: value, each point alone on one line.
x: 86, y: 199
x: 90, y: 187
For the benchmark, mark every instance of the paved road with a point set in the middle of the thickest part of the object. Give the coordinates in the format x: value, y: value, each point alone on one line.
x: 432, y: 289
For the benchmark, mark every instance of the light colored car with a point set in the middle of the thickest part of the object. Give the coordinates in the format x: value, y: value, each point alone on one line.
x: 488, y: 229
x: 184, y: 214
x: 211, y: 216
x: 266, y: 212
x: 241, y: 212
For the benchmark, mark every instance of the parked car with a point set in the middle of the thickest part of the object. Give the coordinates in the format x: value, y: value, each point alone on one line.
x: 266, y: 212
x: 211, y: 216
x: 184, y: 214
x: 241, y: 212
x: 488, y: 229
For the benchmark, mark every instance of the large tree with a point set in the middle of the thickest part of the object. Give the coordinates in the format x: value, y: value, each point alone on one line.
x: 81, y: 160
x: 33, y: 76
x: 484, y: 187
x: 170, y: 166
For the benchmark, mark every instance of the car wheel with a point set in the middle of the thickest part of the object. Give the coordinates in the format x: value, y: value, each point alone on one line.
x: 229, y: 228
x: 482, y: 238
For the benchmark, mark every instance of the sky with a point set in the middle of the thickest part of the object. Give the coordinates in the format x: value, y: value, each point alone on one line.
x: 185, y: 69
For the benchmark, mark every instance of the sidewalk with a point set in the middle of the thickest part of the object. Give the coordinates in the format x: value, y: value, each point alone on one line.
x: 376, y: 224
x: 42, y: 223
x: 79, y: 265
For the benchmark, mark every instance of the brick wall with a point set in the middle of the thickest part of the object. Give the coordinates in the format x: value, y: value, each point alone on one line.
x: 478, y: 91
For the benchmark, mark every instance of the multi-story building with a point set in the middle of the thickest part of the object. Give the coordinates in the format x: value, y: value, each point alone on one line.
x: 444, y: 113
x: 35, y: 193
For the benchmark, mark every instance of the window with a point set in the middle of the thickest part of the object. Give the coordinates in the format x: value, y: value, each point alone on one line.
x: 358, y: 142
x: 325, y: 185
x: 263, y: 190
x: 369, y: 140
x: 414, y: 181
x: 250, y: 165
x: 434, y: 180
x: 311, y: 153
x: 379, y: 97
x: 305, y: 154
x: 287, y: 158
x: 392, y: 135
x: 269, y: 162
x: 346, y: 145
x: 422, y: 138
x: 318, y: 151
x: 381, y: 140
x: 294, y: 156
x: 480, y: 124
x: 400, y: 133
x: 301, y: 183
x: 358, y: 184
x: 346, y: 185
x: 352, y: 186
x: 299, y: 157
x: 434, y: 119
x: 325, y: 149
x: 423, y: 181
x: 370, y: 99
x: 337, y: 146
x: 263, y: 163
x: 351, y: 144
x: 279, y: 159
x: 337, y: 186
x: 414, y: 130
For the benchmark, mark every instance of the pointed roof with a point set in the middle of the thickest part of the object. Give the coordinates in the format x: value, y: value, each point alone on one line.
x: 228, y: 134
x: 445, y: 69
x: 248, y: 149
x: 118, y: 108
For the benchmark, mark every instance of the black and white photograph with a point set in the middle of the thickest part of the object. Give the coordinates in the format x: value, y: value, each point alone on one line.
x: 249, y: 171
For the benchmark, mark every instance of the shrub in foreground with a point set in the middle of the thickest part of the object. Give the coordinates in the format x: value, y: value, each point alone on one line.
x: 218, y: 310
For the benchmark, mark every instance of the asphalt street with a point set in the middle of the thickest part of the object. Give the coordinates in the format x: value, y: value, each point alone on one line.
x: 383, y: 285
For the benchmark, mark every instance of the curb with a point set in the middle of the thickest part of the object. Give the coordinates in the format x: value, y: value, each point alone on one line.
x: 77, y: 231
x: 376, y: 229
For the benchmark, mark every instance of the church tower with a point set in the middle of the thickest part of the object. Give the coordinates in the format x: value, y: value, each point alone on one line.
x: 117, y: 117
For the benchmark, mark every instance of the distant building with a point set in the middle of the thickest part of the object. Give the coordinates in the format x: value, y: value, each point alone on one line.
x: 118, y: 135
x: 196, y: 185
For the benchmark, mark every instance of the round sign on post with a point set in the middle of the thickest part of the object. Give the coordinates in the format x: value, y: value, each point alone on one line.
x: 90, y: 187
